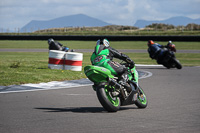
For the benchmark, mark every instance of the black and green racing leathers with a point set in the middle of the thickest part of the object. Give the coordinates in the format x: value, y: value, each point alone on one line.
x: 103, y: 56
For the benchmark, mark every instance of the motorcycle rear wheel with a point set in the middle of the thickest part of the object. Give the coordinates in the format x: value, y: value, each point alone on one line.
x: 109, y: 103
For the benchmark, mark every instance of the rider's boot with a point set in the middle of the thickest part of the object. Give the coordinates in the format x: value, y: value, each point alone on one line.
x: 115, y: 93
x: 72, y: 50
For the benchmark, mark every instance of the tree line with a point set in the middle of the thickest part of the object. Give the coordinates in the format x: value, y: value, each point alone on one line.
x: 153, y: 27
x: 112, y: 28
x: 161, y: 26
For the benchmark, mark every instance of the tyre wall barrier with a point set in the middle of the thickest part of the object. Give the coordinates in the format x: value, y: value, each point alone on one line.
x: 94, y: 38
x: 56, y: 59
x: 65, y: 60
x: 73, y: 61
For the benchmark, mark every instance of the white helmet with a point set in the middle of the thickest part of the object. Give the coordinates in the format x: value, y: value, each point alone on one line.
x: 106, y: 43
x: 50, y: 40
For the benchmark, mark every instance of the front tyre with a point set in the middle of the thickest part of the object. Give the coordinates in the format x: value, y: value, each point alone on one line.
x: 109, y: 103
x: 141, y: 99
x: 178, y: 64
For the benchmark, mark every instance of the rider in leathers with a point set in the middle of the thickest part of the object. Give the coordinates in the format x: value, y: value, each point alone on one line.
x: 158, y: 52
x: 54, y: 45
x: 103, y: 56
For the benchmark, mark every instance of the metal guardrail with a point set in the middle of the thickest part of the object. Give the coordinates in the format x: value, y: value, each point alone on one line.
x: 94, y: 38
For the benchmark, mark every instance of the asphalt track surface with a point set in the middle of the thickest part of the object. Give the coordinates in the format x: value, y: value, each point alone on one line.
x: 173, y: 107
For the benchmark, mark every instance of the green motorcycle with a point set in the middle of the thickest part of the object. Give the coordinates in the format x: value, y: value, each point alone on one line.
x: 110, y: 93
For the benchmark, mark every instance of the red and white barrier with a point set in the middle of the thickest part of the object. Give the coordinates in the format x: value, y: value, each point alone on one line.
x: 73, y: 61
x: 65, y: 60
x: 56, y: 59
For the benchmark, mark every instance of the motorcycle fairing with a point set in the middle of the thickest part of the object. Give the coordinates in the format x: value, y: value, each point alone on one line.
x: 133, y: 75
x: 97, y: 74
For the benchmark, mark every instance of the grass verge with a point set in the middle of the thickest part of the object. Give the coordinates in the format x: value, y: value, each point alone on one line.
x: 91, y: 44
x: 22, y: 67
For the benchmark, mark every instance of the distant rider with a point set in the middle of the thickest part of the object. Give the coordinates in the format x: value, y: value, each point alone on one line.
x: 54, y: 45
x: 103, y: 56
x: 157, y: 51
x: 171, y: 46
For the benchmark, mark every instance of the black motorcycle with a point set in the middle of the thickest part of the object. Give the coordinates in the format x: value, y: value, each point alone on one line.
x: 168, y: 59
x: 54, y: 45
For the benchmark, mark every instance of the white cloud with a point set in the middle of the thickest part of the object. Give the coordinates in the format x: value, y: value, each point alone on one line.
x: 131, y: 5
x: 17, y: 13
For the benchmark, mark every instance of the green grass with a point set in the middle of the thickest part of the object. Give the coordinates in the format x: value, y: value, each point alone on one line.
x: 32, y: 68
x: 91, y: 44
x: 189, y: 59
x: 23, y: 67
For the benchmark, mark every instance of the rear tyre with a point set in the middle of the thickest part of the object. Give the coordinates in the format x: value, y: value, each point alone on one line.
x: 109, y: 103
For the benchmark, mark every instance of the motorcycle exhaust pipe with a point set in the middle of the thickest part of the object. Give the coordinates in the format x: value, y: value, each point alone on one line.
x: 117, y: 86
x: 114, y: 83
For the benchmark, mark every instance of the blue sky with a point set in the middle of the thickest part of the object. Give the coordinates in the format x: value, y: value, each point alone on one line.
x: 17, y: 13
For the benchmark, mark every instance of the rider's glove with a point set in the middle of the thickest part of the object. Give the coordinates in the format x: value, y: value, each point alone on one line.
x: 131, y: 63
x: 124, y: 57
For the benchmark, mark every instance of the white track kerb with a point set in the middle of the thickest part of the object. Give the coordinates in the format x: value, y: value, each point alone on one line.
x: 61, y: 84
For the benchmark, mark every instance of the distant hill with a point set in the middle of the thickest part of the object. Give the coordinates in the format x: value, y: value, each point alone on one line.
x: 174, y: 21
x: 78, y: 20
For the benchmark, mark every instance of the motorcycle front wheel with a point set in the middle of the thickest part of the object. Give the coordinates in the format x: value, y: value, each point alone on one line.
x: 109, y: 103
x: 177, y: 63
x: 141, y: 99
